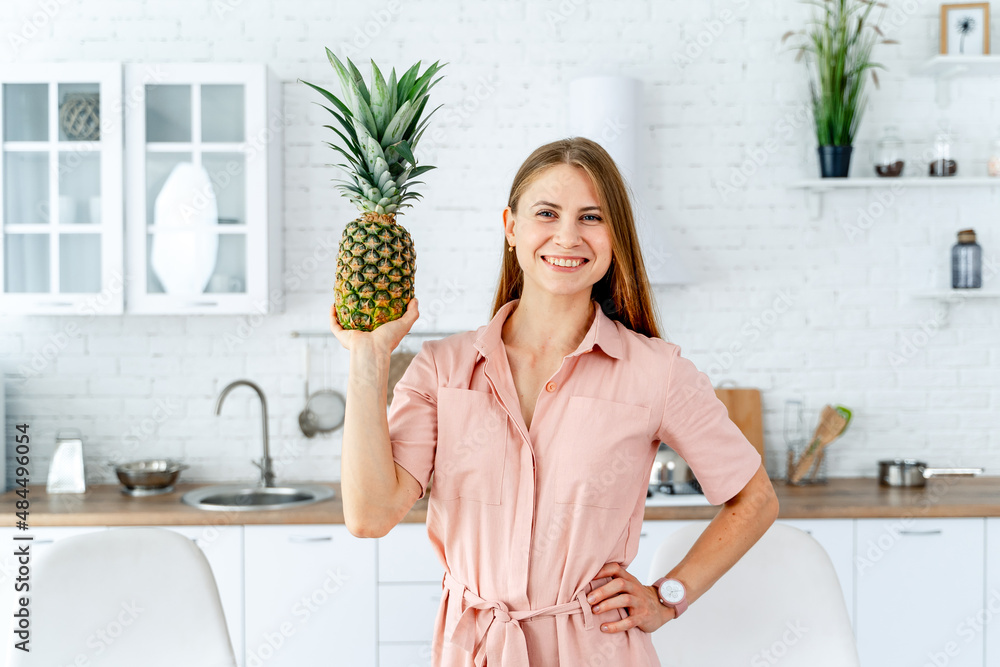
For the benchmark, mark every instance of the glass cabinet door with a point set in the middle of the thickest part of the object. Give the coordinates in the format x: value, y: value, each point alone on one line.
x: 194, y: 178
x: 61, y: 179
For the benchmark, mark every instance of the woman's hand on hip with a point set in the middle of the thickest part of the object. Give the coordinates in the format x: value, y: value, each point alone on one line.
x: 642, y: 604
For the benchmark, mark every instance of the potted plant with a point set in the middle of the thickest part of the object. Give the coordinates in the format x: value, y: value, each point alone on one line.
x: 840, y: 44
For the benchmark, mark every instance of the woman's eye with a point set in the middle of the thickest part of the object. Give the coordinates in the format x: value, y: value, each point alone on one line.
x: 593, y: 217
x: 541, y: 212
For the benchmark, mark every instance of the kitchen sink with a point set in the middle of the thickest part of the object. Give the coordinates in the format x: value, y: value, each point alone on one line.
x: 249, y: 497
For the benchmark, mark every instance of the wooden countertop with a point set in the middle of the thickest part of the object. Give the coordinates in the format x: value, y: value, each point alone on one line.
x: 105, y: 505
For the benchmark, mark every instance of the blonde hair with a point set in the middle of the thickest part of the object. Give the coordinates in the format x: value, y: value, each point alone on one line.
x: 623, y: 292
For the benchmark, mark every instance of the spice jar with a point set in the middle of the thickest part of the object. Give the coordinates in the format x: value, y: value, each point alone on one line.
x: 943, y: 163
x: 889, y: 153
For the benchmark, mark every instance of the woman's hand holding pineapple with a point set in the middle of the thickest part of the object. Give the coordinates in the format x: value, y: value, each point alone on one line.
x: 383, y: 339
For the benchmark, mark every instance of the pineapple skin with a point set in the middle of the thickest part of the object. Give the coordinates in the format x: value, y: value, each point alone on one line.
x: 376, y: 265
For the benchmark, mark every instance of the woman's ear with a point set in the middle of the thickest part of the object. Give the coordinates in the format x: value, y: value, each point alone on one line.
x: 508, y: 221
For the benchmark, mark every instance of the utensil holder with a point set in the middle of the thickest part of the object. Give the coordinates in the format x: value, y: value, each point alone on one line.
x: 817, y: 472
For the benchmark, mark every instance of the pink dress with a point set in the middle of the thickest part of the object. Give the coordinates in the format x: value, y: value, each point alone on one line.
x: 523, y: 519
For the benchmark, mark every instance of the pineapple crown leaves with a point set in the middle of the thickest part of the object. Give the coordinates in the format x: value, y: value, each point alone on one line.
x: 379, y: 126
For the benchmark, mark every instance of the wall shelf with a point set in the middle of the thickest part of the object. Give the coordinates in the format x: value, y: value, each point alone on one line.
x: 950, y: 297
x: 815, y: 187
x: 944, y: 69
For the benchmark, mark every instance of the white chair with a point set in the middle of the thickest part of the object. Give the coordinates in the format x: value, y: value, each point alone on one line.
x: 123, y: 597
x: 781, y: 604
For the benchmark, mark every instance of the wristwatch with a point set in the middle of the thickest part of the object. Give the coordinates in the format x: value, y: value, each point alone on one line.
x: 672, y: 594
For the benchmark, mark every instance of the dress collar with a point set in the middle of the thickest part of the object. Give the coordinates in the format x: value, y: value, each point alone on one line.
x: 603, y: 332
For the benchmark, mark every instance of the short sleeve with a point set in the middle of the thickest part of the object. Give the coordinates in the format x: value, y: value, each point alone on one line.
x: 413, y: 417
x: 696, y: 425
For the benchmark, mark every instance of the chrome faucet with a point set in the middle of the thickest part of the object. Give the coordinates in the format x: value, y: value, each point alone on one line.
x: 266, y: 471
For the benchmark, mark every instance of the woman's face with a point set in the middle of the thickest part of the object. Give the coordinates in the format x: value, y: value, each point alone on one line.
x: 558, y: 216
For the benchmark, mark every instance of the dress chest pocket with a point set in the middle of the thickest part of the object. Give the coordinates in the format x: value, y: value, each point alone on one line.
x: 602, y: 449
x: 472, y: 442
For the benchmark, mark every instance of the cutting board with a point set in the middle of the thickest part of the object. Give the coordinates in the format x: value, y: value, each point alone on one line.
x: 745, y: 412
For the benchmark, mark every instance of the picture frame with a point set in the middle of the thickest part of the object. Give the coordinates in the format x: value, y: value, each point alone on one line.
x: 965, y: 29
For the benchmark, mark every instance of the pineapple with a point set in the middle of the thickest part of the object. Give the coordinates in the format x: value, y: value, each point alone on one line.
x: 376, y: 262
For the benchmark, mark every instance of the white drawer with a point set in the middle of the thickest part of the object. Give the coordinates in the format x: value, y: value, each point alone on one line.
x: 406, y: 612
x: 405, y: 554
x: 409, y: 654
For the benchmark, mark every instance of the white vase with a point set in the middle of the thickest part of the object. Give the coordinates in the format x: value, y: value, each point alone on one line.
x: 186, y: 244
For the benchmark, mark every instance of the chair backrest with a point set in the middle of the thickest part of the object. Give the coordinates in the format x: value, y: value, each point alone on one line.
x: 123, y: 597
x: 781, y: 604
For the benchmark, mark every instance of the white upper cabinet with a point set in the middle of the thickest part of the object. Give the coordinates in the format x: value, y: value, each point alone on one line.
x: 203, y: 147
x: 61, y: 193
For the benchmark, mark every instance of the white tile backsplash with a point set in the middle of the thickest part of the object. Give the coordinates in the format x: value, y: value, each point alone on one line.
x: 718, y: 109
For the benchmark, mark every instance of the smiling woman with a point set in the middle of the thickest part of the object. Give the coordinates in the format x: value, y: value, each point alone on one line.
x: 540, y: 430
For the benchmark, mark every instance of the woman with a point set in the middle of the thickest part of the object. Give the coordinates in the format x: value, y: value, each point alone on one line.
x: 541, y: 428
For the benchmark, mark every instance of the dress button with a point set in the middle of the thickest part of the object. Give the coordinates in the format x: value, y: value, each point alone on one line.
x: 551, y: 386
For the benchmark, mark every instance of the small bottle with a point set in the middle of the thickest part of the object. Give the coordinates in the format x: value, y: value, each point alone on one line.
x: 966, y: 261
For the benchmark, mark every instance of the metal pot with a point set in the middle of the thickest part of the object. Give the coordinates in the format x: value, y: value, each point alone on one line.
x: 913, y: 473
x: 670, y: 473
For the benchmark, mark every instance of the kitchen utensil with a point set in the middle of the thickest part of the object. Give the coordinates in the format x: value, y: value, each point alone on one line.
x: 325, y: 409
x: 149, y: 477
x: 305, y: 418
x: 66, y: 474
x: 832, y: 423
x: 743, y: 405
x: 671, y: 473
x: 913, y: 473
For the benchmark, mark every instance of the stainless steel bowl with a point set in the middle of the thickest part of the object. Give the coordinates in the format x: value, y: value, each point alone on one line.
x: 149, y: 477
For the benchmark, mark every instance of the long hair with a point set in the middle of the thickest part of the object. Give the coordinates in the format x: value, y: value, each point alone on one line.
x: 623, y: 292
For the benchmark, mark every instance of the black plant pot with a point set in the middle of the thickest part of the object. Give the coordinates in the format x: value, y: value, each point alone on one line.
x: 834, y: 161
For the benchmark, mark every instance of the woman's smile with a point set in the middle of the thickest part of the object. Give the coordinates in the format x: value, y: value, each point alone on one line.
x: 564, y: 264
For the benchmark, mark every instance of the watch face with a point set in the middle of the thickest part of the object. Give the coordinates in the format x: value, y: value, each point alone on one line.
x: 672, y: 591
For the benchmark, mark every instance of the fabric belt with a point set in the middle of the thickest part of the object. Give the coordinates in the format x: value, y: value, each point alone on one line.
x: 496, y: 636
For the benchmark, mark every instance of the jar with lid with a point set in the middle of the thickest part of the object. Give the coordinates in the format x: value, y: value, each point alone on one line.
x: 889, y: 153
x: 943, y: 161
x: 966, y: 261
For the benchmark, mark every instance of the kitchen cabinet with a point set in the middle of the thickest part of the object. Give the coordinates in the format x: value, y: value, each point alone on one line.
x: 203, y: 151
x: 918, y: 584
x: 409, y: 595
x: 991, y: 606
x: 310, y: 596
x: 61, y: 192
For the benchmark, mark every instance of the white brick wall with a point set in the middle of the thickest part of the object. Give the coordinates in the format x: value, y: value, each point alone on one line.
x: 143, y: 386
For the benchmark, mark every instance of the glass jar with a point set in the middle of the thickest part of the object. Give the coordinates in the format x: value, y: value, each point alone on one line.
x: 966, y: 262
x: 993, y: 164
x: 889, y: 153
x: 943, y: 162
